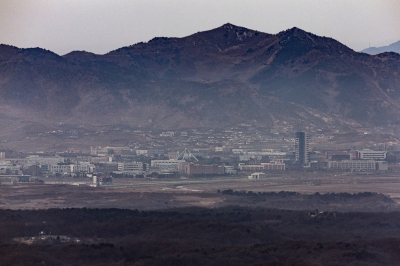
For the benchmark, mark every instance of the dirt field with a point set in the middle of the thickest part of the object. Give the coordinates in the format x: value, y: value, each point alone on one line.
x: 168, y: 193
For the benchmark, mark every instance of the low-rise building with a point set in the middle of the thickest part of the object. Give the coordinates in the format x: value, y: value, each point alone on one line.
x: 103, y: 151
x: 69, y: 168
x: 166, y: 165
x: 337, y: 155
x: 201, y: 169
x: 358, y: 165
x: 250, y: 167
x: 230, y: 170
x: 371, y: 155
x: 131, y: 166
x: 274, y: 165
x: 257, y: 175
x: 61, y: 168
x: 102, y: 180
x: 382, y: 166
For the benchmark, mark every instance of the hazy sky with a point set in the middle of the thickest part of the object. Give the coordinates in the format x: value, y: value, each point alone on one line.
x: 100, y: 26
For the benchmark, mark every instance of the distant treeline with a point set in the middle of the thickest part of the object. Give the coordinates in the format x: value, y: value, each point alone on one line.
x: 317, y: 195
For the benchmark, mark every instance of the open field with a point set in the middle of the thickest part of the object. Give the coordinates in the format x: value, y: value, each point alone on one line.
x: 145, y: 194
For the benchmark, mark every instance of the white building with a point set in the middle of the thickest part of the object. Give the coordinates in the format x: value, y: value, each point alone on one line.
x: 371, y: 155
x: 67, y: 169
x: 61, y: 168
x: 166, y: 165
x: 83, y: 168
x: 273, y: 165
x: 230, y: 170
x: 131, y: 166
x: 257, y: 175
x: 39, y: 160
x: 167, y: 134
x: 357, y: 165
x: 103, y: 151
x: 382, y: 166
x: 141, y: 152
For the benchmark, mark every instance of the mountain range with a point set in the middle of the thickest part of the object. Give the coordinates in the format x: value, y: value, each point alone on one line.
x: 394, y: 47
x: 216, y: 78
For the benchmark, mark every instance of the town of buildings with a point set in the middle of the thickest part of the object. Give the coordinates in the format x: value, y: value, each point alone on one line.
x: 242, y: 151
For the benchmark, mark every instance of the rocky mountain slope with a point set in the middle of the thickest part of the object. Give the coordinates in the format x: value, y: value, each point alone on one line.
x: 214, y: 78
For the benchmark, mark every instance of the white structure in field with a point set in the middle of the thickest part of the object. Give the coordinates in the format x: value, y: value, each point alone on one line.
x: 257, y: 175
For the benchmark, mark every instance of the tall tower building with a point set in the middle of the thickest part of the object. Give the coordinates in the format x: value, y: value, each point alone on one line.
x: 301, y: 147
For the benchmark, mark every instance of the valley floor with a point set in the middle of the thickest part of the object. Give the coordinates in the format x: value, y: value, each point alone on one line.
x: 147, y: 194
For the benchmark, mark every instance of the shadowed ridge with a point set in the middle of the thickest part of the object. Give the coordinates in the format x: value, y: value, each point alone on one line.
x: 8, y: 51
x: 228, y: 31
x: 39, y: 53
x: 4, y: 47
x: 221, y: 38
x: 81, y: 55
x: 311, y: 41
x: 391, y: 57
x: 295, y: 32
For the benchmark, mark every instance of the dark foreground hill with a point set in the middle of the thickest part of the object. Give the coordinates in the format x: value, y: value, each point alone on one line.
x: 215, y: 78
x: 197, y: 236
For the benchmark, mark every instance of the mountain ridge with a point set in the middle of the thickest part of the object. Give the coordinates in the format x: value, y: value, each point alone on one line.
x: 216, y: 78
x: 394, y: 47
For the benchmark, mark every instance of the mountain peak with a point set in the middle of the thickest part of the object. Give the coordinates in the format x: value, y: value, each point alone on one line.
x: 228, y: 33
x: 80, y: 55
x: 294, y: 31
x: 229, y: 26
